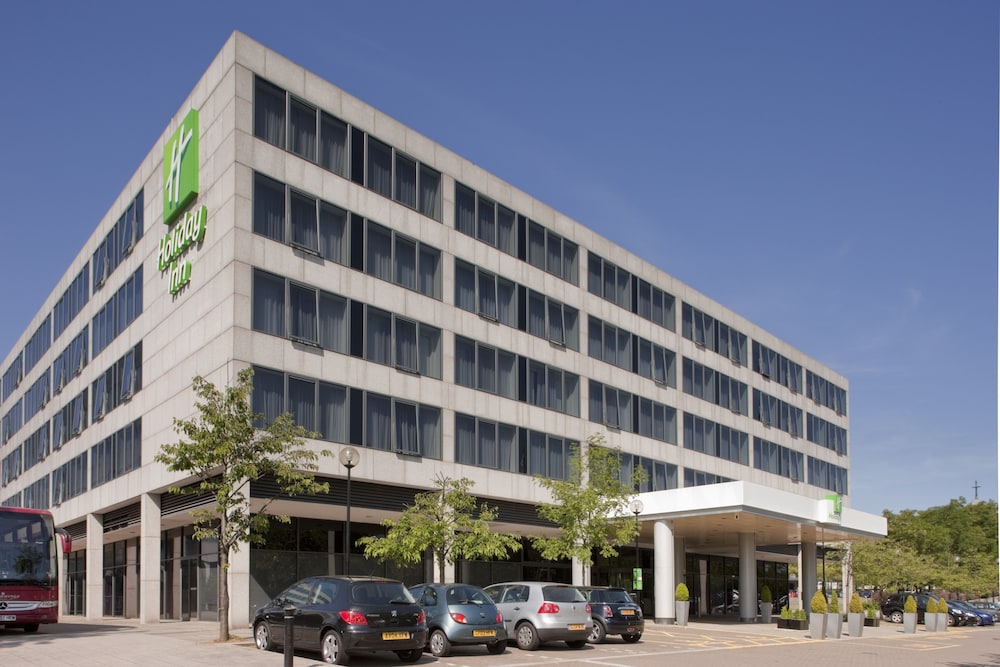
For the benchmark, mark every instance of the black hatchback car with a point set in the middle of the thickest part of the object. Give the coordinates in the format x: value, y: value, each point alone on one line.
x: 340, y: 616
x: 614, y: 613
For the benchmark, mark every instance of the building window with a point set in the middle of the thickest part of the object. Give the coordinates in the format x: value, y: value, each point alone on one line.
x: 826, y: 393
x: 778, y: 460
x: 705, y: 331
x: 771, y: 411
x: 116, y: 455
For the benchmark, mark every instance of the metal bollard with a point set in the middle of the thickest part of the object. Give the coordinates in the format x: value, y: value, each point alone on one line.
x: 289, y: 634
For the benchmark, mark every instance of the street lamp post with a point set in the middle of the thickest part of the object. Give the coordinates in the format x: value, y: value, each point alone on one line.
x: 349, y: 458
x: 636, y: 507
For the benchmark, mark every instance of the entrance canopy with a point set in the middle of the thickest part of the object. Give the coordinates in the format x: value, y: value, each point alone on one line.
x: 710, y: 518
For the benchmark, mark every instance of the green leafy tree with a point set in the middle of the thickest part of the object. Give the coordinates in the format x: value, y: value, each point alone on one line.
x: 449, y: 521
x: 226, y: 452
x: 591, y: 505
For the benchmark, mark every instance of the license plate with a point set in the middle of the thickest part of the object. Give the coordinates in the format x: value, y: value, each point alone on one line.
x: 484, y: 633
x: 395, y: 635
x: 577, y: 626
x: 7, y: 618
x: 628, y: 612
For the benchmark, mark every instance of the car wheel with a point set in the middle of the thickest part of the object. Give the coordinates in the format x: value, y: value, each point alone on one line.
x: 262, y: 637
x: 633, y: 638
x: 526, y: 637
x: 440, y: 646
x: 951, y: 620
x: 597, y: 633
x: 333, y: 648
x: 496, y: 648
x: 411, y: 655
x: 577, y: 643
x: 31, y: 627
x: 896, y: 616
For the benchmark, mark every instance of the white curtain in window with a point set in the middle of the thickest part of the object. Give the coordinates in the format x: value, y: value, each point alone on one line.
x: 333, y: 324
x: 487, y: 368
x: 333, y: 412
x: 379, y: 257
x: 430, y: 431
x: 506, y: 374
x: 506, y: 302
x: 537, y: 454
x: 268, y: 394
x: 406, y: 344
x: 406, y: 181
x: 333, y: 144
x: 379, y: 167
x: 378, y: 336
x: 430, y: 193
x: 269, y: 113
x: 507, y: 448
x: 555, y: 387
x: 465, y: 362
x: 536, y: 314
x: 302, y: 313
x: 487, y: 295
x: 303, y: 134
x: 303, y: 221
x: 378, y: 421
x: 486, y: 229
x: 268, y: 208
x: 465, y: 439
x: 506, y: 232
x: 302, y: 402
x: 465, y: 210
x: 430, y: 281
x: 487, y: 454
x: 465, y: 286
x: 536, y: 384
x: 333, y: 243
x: 429, y: 355
x: 406, y: 263
x: 406, y: 428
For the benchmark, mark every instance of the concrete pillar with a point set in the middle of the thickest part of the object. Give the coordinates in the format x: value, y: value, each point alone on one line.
x: 748, y: 578
x: 95, y: 565
x: 807, y: 572
x: 149, y: 558
x: 580, y: 573
x: 680, y: 563
x: 239, y: 588
x: 665, y: 578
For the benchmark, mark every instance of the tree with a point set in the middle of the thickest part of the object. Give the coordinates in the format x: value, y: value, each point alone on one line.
x: 591, y: 505
x: 226, y: 452
x: 449, y: 521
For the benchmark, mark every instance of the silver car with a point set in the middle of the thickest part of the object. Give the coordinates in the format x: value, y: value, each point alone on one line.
x: 460, y: 614
x: 535, y: 612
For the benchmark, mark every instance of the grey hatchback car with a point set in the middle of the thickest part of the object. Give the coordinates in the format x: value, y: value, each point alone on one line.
x: 460, y: 614
x: 535, y: 612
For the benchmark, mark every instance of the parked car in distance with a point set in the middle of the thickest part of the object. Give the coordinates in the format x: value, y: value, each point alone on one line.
x: 341, y: 616
x: 613, y: 612
x: 535, y: 612
x: 974, y: 616
x: 460, y: 614
x: 892, y: 607
x: 986, y: 605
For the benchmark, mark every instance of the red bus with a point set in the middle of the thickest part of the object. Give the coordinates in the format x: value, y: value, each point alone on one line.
x: 30, y: 553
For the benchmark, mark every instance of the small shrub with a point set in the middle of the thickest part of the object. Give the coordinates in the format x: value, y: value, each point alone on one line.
x: 799, y: 614
x: 785, y: 612
x: 932, y: 606
x: 765, y: 594
x: 910, y: 606
x: 871, y: 610
x: 681, y: 592
x: 854, y: 606
x: 834, y: 603
x: 818, y: 603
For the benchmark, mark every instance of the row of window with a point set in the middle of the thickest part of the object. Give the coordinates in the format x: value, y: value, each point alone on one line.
x: 621, y: 348
x: 500, y: 372
x: 826, y: 393
x: 708, y: 332
x: 777, y: 367
x: 660, y: 476
x: 70, y: 421
x: 70, y: 479
x: 70, y: 361
x: 827, y: 476
x: 704, y: 435
x: 635, y: 295
x: 343, y: 414
x: 311, y: 133
x: 120, y: 311
x: 10, y: 467
x: 826, y: 434
x: 771, y: 411
x: 37, y: 395
x: 119, y: 242
x: 13, y: 375
x: 694, y: 477
x: 308, y: 315
x: 117, y: 384
x: 500, y: 446
x: 779, y: 460
x: 621, y: 410
x: 36, y: 496
x: 12, y: 421
x: 38, y: 344
x: 500, y: 300
x: 116, y: 454
x: 36, y: 447
x: 482, y: 218
x: 71, y: 302
x: 715, y: 387
x: 311, y: 224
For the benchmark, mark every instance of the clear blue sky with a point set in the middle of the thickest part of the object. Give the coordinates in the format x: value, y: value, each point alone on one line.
x: 826, y: 169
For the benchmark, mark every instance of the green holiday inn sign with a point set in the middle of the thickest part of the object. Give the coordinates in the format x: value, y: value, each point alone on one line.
x: 180, y: 188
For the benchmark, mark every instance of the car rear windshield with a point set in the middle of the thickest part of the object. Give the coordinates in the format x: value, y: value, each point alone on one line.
x: 617, y: 596
x: 466, y: 595
x: 562, y: 594
x: 380, y: 592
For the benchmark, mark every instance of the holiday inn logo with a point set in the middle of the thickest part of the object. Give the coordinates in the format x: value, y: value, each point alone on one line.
x: 180, y: 168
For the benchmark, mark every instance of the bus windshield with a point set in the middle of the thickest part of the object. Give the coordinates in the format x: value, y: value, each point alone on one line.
x: 28, y: 553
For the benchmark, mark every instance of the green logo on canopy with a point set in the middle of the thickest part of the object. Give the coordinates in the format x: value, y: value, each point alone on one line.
x: 180, y: 168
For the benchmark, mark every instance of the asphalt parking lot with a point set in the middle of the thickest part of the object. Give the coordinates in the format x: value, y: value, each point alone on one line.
x: 124, y: 642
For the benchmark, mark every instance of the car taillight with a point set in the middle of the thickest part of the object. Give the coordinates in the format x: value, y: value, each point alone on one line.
x: 459, y: 618
x: 354, y: 617
x: 499, y: 617
x: 587, y: 607
x: 607, y: 610
x: 549, y: 608
x: 421, y: 617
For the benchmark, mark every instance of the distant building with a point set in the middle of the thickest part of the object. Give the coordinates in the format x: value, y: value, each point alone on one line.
x: 397, y: 298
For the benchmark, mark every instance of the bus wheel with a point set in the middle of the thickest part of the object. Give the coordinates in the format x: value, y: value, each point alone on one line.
x: 31, y: 627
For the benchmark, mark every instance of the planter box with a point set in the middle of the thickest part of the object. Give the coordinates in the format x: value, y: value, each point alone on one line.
x: 834, y: 624
x: 872, y: 622
x: 817, y: 625
x: 855, y: 624
x: 793, y: 624
x: 909, y: 623
x: 930, y: 622
x: 682, y: 609
x: 765, y: 612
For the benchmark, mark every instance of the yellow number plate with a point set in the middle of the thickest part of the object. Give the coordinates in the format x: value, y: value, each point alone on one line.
x: 628, y: 612
x: 578, y: 626
x: 484, y: 633
x: 395, y: 635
